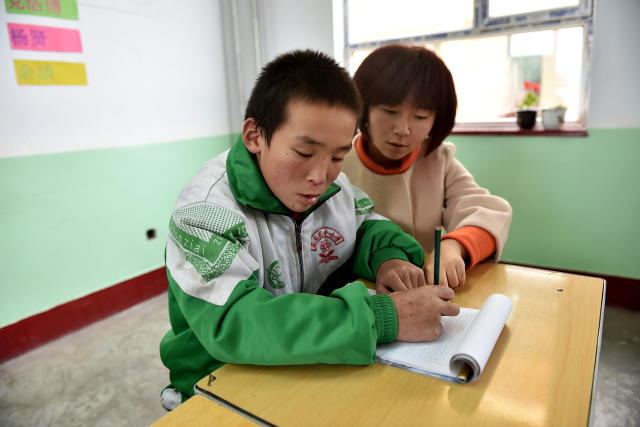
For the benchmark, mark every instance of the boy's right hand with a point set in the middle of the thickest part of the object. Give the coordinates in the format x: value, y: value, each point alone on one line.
x: 420, y: 312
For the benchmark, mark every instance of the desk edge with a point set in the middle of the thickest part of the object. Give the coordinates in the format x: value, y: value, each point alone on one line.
x: 594, y: 383
x: 223, y: 402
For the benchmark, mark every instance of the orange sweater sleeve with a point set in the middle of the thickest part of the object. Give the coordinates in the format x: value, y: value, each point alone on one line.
x: 478, y: 242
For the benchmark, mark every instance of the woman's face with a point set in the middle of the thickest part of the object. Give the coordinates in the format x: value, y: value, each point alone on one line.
x: 396, y: 130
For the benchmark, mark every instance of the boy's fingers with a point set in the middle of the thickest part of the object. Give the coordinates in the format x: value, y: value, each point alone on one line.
x: 437, y: 331
x: 406, y: 278
x: 446, y: 293
x: 418, y: 278
x: 380, y: 289
x: 450, y: 309
x: 395, y: 283
x: 412, y: 279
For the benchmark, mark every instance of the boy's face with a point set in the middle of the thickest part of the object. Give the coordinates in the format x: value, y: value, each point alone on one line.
x: 306, y: 152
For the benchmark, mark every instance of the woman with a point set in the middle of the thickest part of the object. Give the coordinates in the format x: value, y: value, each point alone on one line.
x: 401, y: 160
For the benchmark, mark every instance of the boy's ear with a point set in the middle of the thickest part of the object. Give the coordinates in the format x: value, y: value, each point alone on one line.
x: 251, y: 135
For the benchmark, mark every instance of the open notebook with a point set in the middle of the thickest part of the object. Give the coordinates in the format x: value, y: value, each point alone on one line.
x: 461, y: 352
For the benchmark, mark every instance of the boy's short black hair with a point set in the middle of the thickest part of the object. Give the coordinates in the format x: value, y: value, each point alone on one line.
x: 394, y: 73
x: 302, y: 75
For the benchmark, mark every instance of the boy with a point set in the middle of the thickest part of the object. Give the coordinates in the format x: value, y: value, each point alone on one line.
x: 261, y: 228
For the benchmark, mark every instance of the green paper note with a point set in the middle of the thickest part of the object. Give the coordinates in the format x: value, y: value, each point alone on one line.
x: 67, y: 9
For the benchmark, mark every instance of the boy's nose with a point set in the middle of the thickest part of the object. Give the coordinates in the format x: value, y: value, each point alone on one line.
x: 318, y: 174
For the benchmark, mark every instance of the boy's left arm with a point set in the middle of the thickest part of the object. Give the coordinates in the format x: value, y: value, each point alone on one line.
x: 398, y: 275
x: 388, y: 255
x: 384, y: 252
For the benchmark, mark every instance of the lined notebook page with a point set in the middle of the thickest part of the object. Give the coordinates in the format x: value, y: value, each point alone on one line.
x: 431, y: 356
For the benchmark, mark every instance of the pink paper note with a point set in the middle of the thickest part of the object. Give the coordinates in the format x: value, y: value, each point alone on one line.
x: 34, y: 37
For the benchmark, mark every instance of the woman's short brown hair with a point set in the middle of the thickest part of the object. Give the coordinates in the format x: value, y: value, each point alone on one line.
x: 394, y: 73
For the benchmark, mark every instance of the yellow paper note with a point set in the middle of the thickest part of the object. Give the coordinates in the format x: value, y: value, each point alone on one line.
x: 50, y: 73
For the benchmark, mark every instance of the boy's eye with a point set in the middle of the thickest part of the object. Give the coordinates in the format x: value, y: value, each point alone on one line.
x: 338, y: 159
x: 304, y: 155
x: 389, y: 111
x: 419, y: 117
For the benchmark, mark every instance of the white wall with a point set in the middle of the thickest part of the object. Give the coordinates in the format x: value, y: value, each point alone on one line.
x: 155, y: 73
x: 256, y: 31
x: 158, y: 72
x: 299, y: 24
x: 615, y: 90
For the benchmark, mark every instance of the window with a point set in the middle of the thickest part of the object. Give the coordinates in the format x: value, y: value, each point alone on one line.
x: 497, y: 50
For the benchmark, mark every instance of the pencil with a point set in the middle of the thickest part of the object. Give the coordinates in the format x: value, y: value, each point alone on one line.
x: 436, y: 258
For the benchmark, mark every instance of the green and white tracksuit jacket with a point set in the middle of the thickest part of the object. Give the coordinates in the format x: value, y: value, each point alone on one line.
x: 244, y: 275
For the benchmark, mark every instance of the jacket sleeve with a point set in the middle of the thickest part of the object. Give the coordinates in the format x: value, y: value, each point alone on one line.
x: 214, y: 280
x: 379, y: 240
x: 468, y: 204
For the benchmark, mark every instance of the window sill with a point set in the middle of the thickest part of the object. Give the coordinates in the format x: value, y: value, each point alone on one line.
x: 507, y: 129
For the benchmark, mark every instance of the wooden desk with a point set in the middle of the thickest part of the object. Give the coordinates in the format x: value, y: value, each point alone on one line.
x: 542, y: 370
x: 200, y: 411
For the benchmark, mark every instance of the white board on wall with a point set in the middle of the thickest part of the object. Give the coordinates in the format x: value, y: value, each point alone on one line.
x: 155, y: 73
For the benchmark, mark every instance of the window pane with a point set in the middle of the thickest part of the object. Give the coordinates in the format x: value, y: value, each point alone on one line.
x: 515, y: 7
x: 494, y: 74
x: 373, y: 20
x: 562, y: 79
x: 482, y: 72
x: 357, y: 56
x: 528, y: 44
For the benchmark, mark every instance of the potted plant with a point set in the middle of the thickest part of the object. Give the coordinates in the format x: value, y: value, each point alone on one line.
x: 526, y: 111
x: 526, y: 114
x: 553, y: 118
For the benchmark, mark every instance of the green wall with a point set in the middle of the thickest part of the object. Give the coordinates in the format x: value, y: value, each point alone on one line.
x: 75, y: 223
x: 576, y: 202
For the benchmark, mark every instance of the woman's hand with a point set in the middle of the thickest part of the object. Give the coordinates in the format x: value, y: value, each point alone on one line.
x: 398, y: 275
x: 452, y: 265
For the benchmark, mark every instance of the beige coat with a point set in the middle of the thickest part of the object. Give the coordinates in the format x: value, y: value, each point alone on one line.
x: 435, y: 190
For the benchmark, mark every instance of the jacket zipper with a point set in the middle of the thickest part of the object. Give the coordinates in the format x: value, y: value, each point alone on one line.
x: 298, y: 228
x: 299, y: 249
